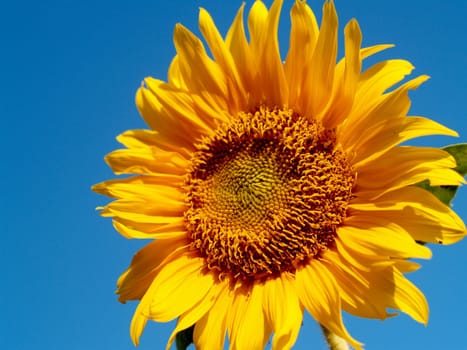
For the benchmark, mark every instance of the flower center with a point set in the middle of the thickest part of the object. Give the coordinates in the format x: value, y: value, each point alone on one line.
x: 266, y: 194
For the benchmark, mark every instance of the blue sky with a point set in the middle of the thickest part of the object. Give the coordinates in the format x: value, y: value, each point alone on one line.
x: 69, y: 71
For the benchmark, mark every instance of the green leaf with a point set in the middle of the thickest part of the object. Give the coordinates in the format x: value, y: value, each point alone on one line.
x: 459, y: 152
x: 184, y: 338
x: 446, y: 193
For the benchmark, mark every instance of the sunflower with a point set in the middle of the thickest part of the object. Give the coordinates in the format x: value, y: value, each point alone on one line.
x: 269, y: 187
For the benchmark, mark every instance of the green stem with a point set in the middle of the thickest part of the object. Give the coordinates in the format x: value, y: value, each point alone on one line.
x: 334, y: 341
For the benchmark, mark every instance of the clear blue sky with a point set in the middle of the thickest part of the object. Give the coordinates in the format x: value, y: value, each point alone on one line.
x: 69, y: 71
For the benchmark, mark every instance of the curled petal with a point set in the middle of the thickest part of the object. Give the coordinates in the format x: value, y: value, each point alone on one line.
x: 318, y: 292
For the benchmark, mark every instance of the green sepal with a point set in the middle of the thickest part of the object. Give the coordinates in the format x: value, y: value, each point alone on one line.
x: 184, y: 338
x: 446, y: 193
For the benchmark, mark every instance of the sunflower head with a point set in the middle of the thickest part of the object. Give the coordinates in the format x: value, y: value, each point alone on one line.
x: 271, y: 185
x: 266, y: 194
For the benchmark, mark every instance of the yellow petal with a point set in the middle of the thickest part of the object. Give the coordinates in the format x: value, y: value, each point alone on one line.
x: 303, y: 36
x: 202, y: 75
x: 139, y: 187
x: 143, y: 230
x: 408, y: 298
x: 179, y: 110
x: 346, y: 83
x: 386, y: 289
x: 382, y: 109
x: 355, y: 289
x: 224, y: 59
x: 381, y: 137
x: 138, y: 139
x: 245, y: 321
x: 168, y: 180
x: 273, y: 83
x: 238, y: 45
x: 320, y: 76
x: 318, y: 292
x: 142, y: 188
x: 360, y: 260
x: 257, y: 24
x: 406, y: 266
x: 183, y: 111
x: 371, y: 50
x: 179, y: 285
x: 198, y: 311
x: 144, y: 211
x: 146, y: 161
x: 141, y: 315
x: 209, y: 332
x: 368, y: 294
x: 436, y: 177
x: 139, y: 320
x: 376, y: 80
x: 158, y: 119
x: 175, y: 76
x: 347, y: 77
x: 135, y: 281
x: 283, y: 311
x: 419, y: 212
x: 388, y: 240
x: 406, y: 165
